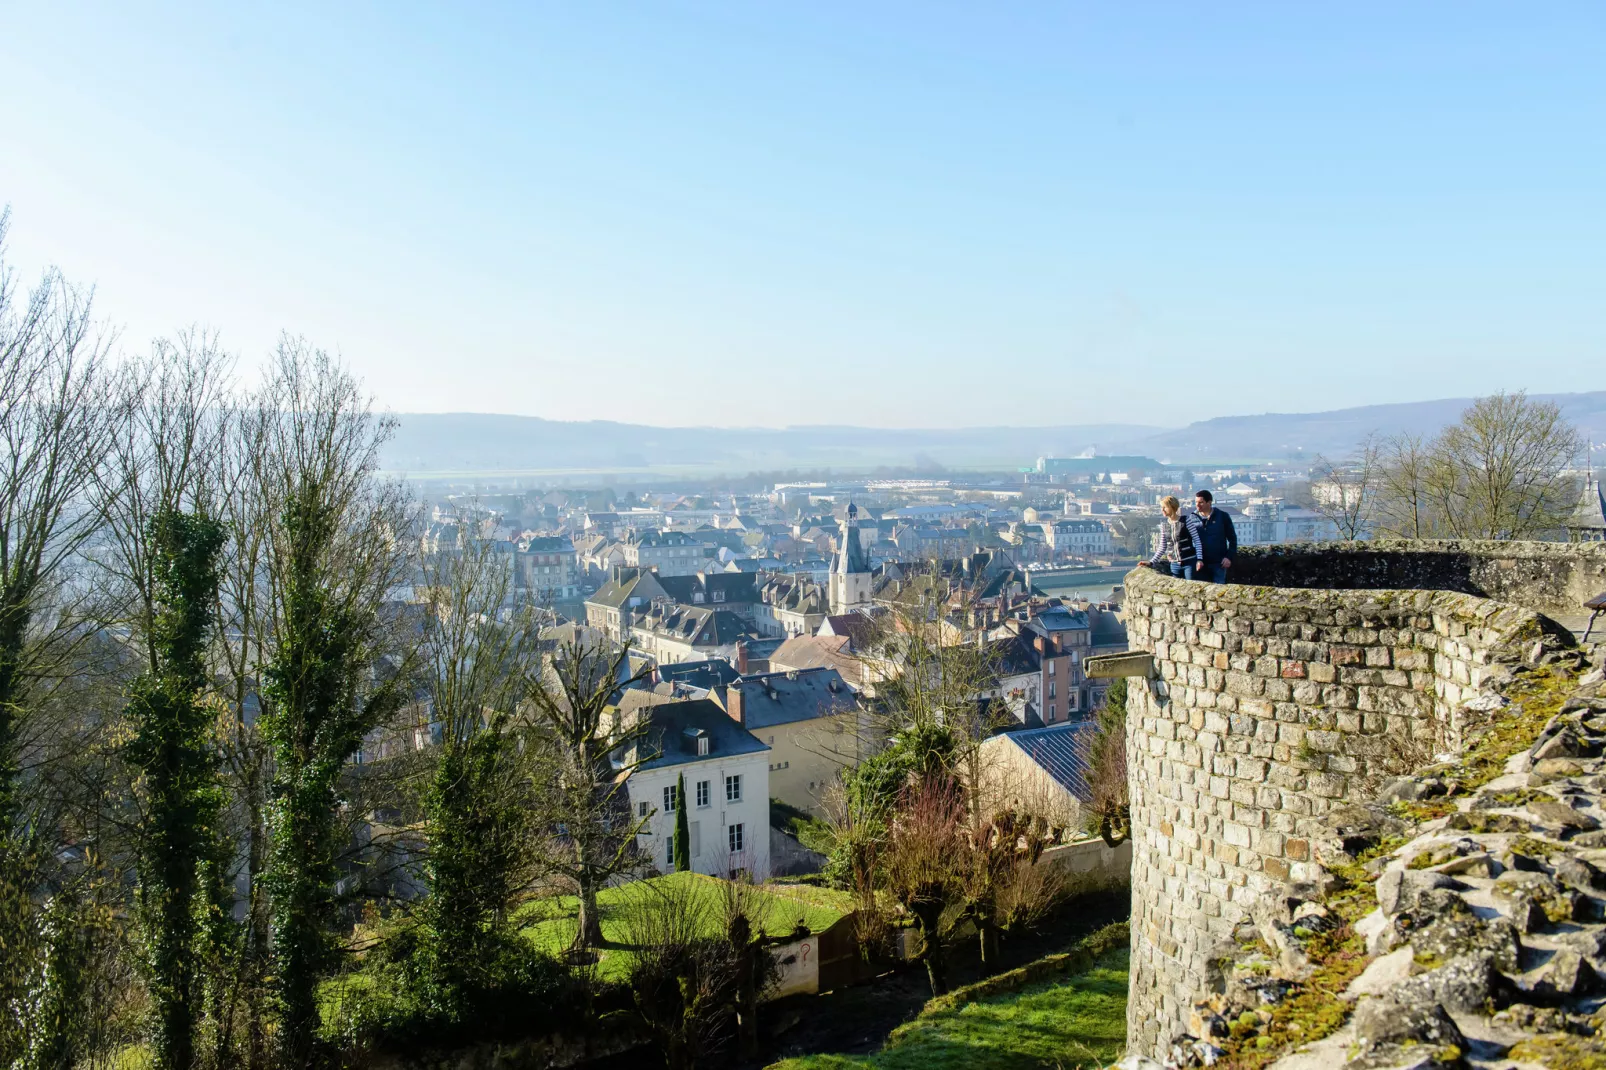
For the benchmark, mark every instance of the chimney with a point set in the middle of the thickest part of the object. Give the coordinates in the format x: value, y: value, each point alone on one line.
x: 734, y: 705
x: 741, y: 656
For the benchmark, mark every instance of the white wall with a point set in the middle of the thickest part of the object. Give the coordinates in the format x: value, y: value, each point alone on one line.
x: 710, y: 836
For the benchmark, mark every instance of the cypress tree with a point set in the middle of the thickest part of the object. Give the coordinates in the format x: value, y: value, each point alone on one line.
x: 682, y: 830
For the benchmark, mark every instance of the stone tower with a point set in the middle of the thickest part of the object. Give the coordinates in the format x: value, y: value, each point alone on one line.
x: 850, y: 571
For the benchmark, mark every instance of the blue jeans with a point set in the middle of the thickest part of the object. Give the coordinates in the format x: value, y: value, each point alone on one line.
x: 1180, y: 571
x: 1213, y: 573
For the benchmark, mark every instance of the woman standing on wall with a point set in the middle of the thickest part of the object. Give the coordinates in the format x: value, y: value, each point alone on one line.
x: 1179, y: 539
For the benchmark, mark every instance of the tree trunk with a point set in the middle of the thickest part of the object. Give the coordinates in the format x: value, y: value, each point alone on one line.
x: 929, y: 916
x: 987, y: 937
x: 588, y: 934
x: 747, y: 1003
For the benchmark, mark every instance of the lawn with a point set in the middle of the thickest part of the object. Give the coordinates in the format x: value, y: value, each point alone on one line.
x: 1072, y: 1021
x: 550, y: 923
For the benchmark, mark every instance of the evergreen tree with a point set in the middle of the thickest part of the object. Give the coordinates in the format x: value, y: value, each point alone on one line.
x: 682, y: 830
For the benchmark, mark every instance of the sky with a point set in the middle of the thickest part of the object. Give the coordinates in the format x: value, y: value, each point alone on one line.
x: 888, y: 214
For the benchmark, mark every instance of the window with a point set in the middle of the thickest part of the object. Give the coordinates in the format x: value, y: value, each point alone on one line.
x: 719, y: 596
x: 641, y: 808
x: 1051, y: 689
x: 735, y: 833
x: 669, y: 854
x: 1051, y: 711
x: 1052, y: 664
x: 702, y: 746
x: 671, y: 802
x: 702, y: 793
x: 733, y: 789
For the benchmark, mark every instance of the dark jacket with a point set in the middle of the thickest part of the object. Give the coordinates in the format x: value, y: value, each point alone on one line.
x: 1219, y: 538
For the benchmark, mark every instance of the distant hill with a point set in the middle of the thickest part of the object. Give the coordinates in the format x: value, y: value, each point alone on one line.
x: 1276, y: 436
x: 473, y: 442
x: 428, y: 443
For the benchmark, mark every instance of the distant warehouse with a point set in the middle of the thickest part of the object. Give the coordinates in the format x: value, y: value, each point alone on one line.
x: 1092, y: 466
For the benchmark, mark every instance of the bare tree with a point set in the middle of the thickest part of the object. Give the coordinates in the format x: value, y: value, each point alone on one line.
x: 244, y: 619
x: 52, y: 427
x: 579, y: 737
x: 686, y: 981
x: 1500, y: 470
x: 922, y: 869
x: 52, y: 423
x: 1001, y: 884
x: 1407, y: 478
x: 1345, y: 492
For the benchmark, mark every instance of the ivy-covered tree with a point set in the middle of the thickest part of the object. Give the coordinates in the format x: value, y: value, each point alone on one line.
x: 177, y: 761
x: 332, y: 555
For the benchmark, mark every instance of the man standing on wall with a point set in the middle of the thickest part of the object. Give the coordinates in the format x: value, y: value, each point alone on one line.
x: 1218, y: 536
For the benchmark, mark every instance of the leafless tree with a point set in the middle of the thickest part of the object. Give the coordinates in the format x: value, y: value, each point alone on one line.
x: 1002, y: 885
x: 1345, y: 492
x: 52, y: 425
x: 578, y: 738
x: 1500, y: 471
x: 922, y: 868
x: 1407, y: 477
x: 686, y: 981
x: 244, y: 602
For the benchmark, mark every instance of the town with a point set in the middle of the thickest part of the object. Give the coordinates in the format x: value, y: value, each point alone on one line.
x: 714, y: 536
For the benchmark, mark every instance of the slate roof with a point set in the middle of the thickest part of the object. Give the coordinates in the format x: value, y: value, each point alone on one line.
x: 614, y: 593
x: 662, y: 538
x: 734, y: 586
x: 673, y: 728
x: 546, y: 544
x: 773, y: 698
x: 715, y: 672
x: 1054, y: 750
x: 1060, y: 619
x: 1014, y: 656
x: 698, y: 625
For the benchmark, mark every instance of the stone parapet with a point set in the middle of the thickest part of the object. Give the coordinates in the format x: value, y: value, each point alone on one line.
x: 1273, y: 706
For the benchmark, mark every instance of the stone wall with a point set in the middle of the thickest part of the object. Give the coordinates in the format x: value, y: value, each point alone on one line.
x: 1272, y: 707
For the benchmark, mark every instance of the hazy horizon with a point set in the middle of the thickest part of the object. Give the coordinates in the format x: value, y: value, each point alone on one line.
x: 906, y: 216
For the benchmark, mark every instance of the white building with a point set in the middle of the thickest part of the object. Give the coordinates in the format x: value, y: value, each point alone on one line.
x: 1081, y: 538
x: 726, y: 770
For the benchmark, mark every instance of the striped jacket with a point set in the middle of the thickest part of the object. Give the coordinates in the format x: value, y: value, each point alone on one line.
x: 1191, y: 549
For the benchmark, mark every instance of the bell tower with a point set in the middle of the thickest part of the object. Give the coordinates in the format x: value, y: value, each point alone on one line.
x: 850, y: 571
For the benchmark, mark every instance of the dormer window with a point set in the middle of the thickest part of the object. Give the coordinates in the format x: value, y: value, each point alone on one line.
x: 702, y: 746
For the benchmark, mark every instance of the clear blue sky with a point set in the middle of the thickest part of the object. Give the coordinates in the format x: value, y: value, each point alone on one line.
x: 896, y: 214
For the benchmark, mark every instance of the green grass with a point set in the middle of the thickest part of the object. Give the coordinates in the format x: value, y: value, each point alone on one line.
x: 1076, y: 1021
x: 808, y: 830
x: 550, y: 923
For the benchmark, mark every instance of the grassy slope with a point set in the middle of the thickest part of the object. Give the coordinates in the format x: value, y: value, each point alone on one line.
x: 1075, y: 1021
x: 550, y: 923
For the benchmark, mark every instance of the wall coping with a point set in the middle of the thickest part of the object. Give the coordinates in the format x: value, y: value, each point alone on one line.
x: 1153, y: 587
